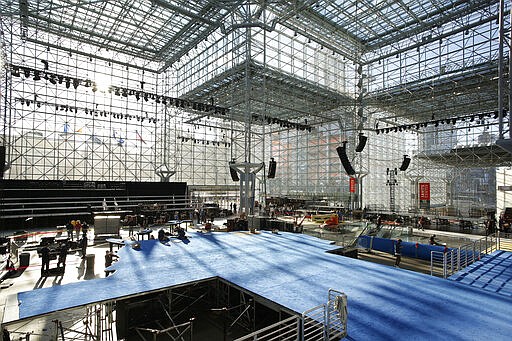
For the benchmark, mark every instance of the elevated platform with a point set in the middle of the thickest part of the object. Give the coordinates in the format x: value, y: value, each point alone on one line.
x: 493, y: 273
x: 294, y: 271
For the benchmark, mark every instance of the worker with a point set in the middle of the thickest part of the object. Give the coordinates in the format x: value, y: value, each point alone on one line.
x: 63, y: 253
x: 109, y: 259
x: 433, y: 240
x: 45, y: 260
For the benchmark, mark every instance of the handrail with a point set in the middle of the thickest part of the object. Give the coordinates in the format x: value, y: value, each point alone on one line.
x: 292, y: 321
x: 457, y: 259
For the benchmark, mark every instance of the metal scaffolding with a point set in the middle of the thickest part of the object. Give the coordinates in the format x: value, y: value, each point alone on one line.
x: 125, y: 90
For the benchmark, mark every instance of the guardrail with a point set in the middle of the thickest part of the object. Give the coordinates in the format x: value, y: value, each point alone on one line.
x: 504, y: 241
x: 326, y: 322
x: 445, y: 264
x: 288, y: 329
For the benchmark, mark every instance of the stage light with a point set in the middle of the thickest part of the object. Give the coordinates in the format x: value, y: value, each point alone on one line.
x: 37, y: 75
x: 15, y: 71
x: 26, y: 72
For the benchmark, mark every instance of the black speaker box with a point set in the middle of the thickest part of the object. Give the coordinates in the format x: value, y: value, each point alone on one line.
x: 342, y: 153
x: 2, y: 161
x: 405, y: 163
x: 272, y: 169
x: 232, y: 171
x: 362, y: 143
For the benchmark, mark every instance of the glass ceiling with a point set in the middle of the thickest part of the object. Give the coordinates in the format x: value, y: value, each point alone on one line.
x: 163, y: 30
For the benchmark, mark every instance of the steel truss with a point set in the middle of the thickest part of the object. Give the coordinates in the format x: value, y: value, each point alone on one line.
x: 297, y: 79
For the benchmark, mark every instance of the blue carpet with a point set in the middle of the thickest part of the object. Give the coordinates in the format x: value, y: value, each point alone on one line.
x: 492, y: 273
x: 384, y: 303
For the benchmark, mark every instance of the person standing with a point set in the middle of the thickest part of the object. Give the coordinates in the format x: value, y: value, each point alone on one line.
x: 83, y: 245
x: 69, y: 229
x: 421, y: 223
x: 45, y: 260
x: 63, y: 253
x: 398, y: 252
x: 109, y: 258
x: 78, y: 228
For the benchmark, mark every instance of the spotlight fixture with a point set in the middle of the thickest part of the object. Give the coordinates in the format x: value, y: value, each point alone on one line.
x: 15, y: 71
x: 26, y: 72
x: 76, y: 82
x: 37, y: 75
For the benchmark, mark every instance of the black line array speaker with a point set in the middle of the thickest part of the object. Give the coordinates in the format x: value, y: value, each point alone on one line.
x: 272, y: 168
x: 2, y: 161
x: 405, y: 163
x: 362, y: 143
x: 342, y: 153
x: 232, y: 171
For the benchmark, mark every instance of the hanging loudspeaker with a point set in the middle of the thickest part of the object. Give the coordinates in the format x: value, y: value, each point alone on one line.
x: 362, y: 143
x: 342, y: 153
x: 2, y: 161
x: 272, y: 168
x: 405, y: 163
x: 232, y: 171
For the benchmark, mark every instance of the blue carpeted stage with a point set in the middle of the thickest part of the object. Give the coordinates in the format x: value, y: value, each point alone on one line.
x: 295, y: 271
x: 493, y: 273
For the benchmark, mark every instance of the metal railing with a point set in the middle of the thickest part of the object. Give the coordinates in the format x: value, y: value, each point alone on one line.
x: 326, y: 322
x: 313, y: 323
x: 504, y: 241
x: 288, y: 329
x: 445, y: 264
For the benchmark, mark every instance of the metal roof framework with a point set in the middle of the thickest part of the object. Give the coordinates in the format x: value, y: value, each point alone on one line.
x: 378, y: 39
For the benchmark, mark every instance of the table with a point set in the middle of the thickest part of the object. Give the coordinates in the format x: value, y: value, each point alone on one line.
x: 173, y: 223
x: 141, y: 234
x: 114, y: 241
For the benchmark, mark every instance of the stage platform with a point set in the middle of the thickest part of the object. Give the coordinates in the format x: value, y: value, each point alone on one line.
x: 492, y: 273
x: 295, y: 271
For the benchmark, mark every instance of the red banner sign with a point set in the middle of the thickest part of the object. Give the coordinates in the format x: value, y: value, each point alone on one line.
x: 424, y: 190
x: 352, y: 185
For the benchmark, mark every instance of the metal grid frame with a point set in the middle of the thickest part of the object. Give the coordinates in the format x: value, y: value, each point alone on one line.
x: 344, y: 67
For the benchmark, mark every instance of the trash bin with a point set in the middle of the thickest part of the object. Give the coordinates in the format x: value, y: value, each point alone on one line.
x: 89, y: 263
x: 24, y: 259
